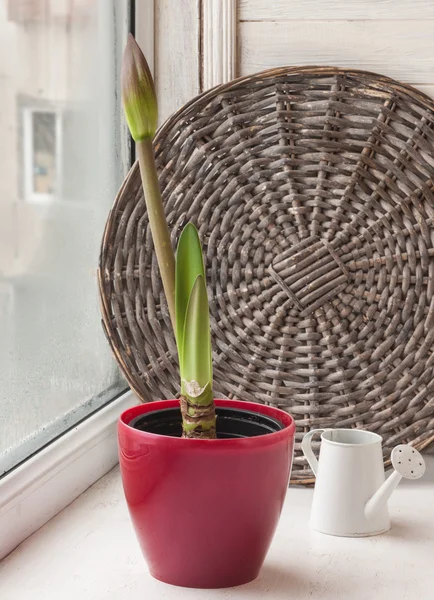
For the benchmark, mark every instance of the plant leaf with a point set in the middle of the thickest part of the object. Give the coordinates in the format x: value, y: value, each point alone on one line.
x: 189, y: 265
x: 197, y: 340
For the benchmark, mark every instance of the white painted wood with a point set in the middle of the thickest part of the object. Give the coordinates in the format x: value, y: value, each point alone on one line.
x: 177, y: 57
x: 144, y: 29
x: 219, y: 27
x: 90, y: 552
x: 389, y: 10
x: 403, y: 50
x: 42, y: 486
x: 427, y: 89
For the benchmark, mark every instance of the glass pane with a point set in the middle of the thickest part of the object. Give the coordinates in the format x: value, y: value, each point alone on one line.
x: 63, y: 154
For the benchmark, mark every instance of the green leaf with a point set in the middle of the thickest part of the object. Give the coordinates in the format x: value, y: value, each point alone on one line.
x: 197, y: 342
x: 189, y: 265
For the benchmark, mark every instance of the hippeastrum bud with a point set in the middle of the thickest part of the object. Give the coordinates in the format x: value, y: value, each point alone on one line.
x: 138, y: 93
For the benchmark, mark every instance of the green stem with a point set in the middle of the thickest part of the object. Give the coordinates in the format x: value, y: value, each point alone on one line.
x: 158, y: 222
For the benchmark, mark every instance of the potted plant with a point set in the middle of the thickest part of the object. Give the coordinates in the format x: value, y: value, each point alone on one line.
x: 204, y: 479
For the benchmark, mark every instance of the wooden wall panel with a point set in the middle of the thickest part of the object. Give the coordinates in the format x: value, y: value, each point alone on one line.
x: 177, y: 56
x: 289, y: 10
x: 403, y: 50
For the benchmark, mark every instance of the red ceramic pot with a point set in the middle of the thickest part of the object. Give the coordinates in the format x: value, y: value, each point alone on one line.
x: 205, y: 511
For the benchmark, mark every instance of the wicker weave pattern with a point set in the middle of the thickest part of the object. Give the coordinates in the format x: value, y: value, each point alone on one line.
x: 313, y: 192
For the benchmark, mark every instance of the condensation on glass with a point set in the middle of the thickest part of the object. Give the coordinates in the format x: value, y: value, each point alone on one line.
x: 63, y: 155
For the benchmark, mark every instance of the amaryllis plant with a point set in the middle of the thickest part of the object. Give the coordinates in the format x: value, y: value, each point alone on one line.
x: 184, y: 277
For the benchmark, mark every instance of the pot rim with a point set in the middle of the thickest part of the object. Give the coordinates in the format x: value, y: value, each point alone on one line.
x: 287, y: 421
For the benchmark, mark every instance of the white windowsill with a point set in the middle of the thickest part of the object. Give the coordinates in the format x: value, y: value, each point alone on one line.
x: 35, y: 491
x: 89, y: 551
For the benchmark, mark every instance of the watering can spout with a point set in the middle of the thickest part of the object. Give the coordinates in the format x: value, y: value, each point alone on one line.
x: 407, y: 463
x: 382, y: 495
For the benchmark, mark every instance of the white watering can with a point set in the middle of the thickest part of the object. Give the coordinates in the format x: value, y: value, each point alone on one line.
x: 351, y: 493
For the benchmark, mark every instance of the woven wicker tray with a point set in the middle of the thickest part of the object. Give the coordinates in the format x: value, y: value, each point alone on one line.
x: 313, y: 192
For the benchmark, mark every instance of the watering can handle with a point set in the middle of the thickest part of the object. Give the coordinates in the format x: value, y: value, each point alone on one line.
x: 306, y: 446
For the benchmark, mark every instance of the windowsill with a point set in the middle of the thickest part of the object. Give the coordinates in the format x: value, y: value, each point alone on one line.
x: 89, y: 551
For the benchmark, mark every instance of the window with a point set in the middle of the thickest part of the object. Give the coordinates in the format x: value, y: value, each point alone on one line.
x: 42, y: 154
x: 64, y: 153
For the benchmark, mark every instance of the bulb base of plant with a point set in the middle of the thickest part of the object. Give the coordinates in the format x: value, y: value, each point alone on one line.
x: 198, y: 415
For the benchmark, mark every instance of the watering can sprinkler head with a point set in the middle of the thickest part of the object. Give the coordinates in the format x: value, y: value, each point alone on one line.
x: 408, y: 463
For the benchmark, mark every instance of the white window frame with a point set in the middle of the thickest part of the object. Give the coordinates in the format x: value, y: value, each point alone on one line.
x: 28, y: 159
x: 36, y: 490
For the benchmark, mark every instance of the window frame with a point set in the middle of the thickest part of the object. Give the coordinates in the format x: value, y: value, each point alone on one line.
x: 36, y: 490
x: 42, y: 485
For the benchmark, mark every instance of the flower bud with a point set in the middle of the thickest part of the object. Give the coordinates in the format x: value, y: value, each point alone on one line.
x: 138, y: 93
